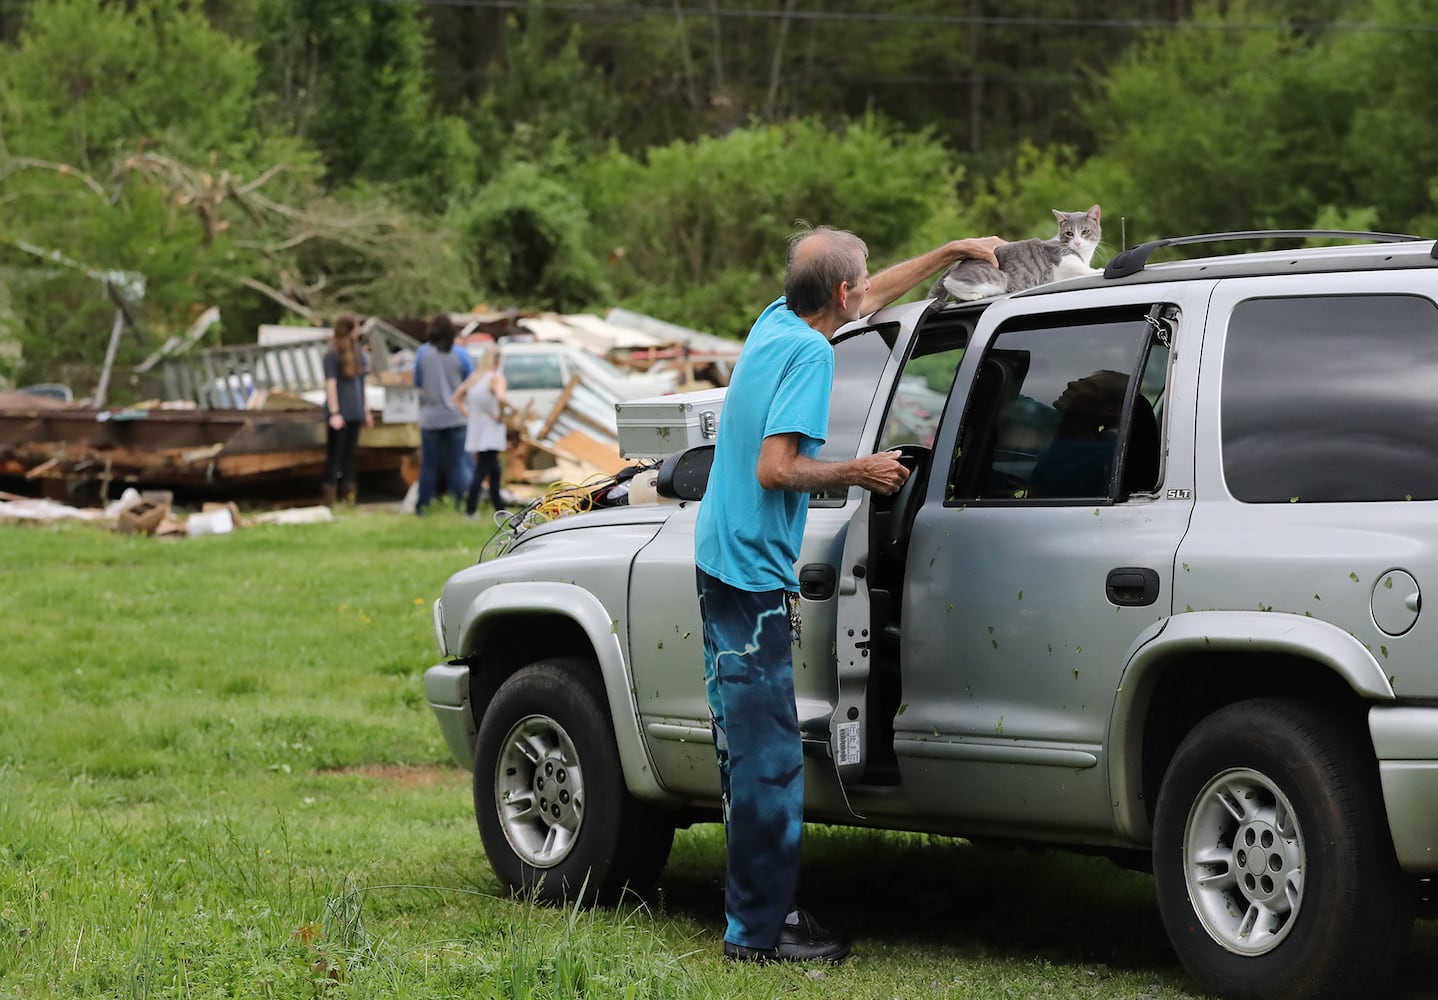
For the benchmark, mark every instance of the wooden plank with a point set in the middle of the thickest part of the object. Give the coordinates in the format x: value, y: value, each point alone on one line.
x: 42, y: 468
x: 559, y: 406
x: 591, y: 452
x: 242, y: 466
x: 588, y: 421
x: 390, y: 436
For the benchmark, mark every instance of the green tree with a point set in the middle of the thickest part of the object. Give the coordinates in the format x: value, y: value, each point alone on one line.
x: 351, y: 77
x: 89, y: 90
x: 1202, y: 129
x: 176, y: 203
x: 698, y: 230
x: 469, y: 50
x: 549, y: 102
x: 12, y: 14
x: 980, y: 75
x: 1017, y: 201
x: 524, y: 237
x: 1388, y: 160
x: 88, y: 79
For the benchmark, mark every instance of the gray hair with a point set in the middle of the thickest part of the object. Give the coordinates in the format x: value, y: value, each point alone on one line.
x: 819, y: 259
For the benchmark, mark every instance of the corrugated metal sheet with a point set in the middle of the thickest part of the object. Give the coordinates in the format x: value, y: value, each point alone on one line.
x: 665, y: 332
x: 589, y: 411
x: 587, y: 332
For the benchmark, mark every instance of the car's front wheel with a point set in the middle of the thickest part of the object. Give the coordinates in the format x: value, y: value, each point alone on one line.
x: 555, y: 816
x: 1275, y: 872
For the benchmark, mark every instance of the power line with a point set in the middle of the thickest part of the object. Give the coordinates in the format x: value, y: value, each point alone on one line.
x: 953, y: 20
x: 1042, y: 79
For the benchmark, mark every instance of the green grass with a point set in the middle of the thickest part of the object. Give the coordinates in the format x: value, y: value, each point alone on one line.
x: 219, y: 778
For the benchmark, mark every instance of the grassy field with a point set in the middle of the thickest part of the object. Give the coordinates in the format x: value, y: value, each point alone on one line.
x: 219, y: 778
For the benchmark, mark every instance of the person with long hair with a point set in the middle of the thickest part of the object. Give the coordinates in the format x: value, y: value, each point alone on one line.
x: 480, y: 397
x: 438, y: 371
x: 345, y: 367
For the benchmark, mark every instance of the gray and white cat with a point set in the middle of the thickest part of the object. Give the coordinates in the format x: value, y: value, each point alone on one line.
x: 1026, y: 263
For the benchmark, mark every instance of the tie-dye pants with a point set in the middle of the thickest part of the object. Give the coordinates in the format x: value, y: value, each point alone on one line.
x: 749, y: 678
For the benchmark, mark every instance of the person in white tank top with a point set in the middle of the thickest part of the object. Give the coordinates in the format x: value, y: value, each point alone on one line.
x: 480, y: 397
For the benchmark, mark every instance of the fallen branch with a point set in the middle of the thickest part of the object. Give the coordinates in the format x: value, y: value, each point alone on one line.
x: 260, y: 180
x: 19, y: 163
x: 278, y: 296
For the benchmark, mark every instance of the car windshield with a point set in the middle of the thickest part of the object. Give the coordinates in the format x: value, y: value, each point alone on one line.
x: 533, y: 371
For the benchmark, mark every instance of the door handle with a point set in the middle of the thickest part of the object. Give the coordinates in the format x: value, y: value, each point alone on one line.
x: 1131, y: 586
x: 816, y: 582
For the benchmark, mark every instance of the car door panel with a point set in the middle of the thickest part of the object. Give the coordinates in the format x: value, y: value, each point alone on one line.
x: 1012, y: 645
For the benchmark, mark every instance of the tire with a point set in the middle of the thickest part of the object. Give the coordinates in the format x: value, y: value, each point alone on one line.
x: 1275, y: 872
x: 556, y: 819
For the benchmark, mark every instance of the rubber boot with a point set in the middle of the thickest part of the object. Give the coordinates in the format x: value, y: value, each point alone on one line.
x: 327, y: 494
x: 348, y: 492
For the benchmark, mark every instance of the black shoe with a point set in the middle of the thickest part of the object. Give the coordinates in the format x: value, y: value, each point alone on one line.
x: 805, y: 941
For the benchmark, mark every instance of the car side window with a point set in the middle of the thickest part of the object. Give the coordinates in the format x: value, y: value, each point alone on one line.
x: 1066, y: 411
x: 859, y: 360
x: 923, y: 388
x: 1330, y: 399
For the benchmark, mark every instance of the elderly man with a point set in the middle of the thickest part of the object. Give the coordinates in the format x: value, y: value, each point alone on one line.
x: 776, y: 415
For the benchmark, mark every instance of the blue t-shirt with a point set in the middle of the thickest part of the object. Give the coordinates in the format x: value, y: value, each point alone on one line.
x: 746, y: 535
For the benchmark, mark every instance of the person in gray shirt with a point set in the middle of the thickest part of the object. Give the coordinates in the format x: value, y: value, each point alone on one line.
x: 438, y: 371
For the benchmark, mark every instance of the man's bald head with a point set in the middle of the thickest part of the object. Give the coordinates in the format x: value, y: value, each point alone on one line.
x: 819, y: 259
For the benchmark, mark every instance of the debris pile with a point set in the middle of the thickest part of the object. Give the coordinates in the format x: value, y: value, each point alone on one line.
x: 151, y: 512
x: 567, y: 375
x: 240, y: 420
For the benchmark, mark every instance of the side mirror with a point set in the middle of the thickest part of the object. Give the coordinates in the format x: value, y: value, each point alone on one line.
x: 684, y: 475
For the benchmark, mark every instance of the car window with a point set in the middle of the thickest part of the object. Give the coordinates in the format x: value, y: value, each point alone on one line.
x: 859, y: 360
x: 532, y: 371
x: 1066, y: 411
x: 923, y: 388
x: 1330, y: 398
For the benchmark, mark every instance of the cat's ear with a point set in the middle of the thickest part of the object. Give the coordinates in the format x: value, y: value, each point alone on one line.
x: 1061, y: 216
x: 1094, y: 212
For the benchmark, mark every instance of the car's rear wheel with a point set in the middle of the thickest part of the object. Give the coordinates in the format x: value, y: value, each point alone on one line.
x: 1275, y: 872
x: 555, y: 816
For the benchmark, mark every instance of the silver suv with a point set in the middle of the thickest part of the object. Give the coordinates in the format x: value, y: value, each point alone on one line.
x: 1154, y: 590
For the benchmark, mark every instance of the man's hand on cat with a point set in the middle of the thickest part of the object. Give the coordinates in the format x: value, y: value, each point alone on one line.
x: 977, y: 248
x: 897, y: 279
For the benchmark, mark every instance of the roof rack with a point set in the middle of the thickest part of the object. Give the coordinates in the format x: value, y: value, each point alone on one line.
x: 1132, y: 260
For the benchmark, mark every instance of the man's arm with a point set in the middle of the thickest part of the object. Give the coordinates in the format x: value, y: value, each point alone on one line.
x: 781, y: 467
x: 892, y: 282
